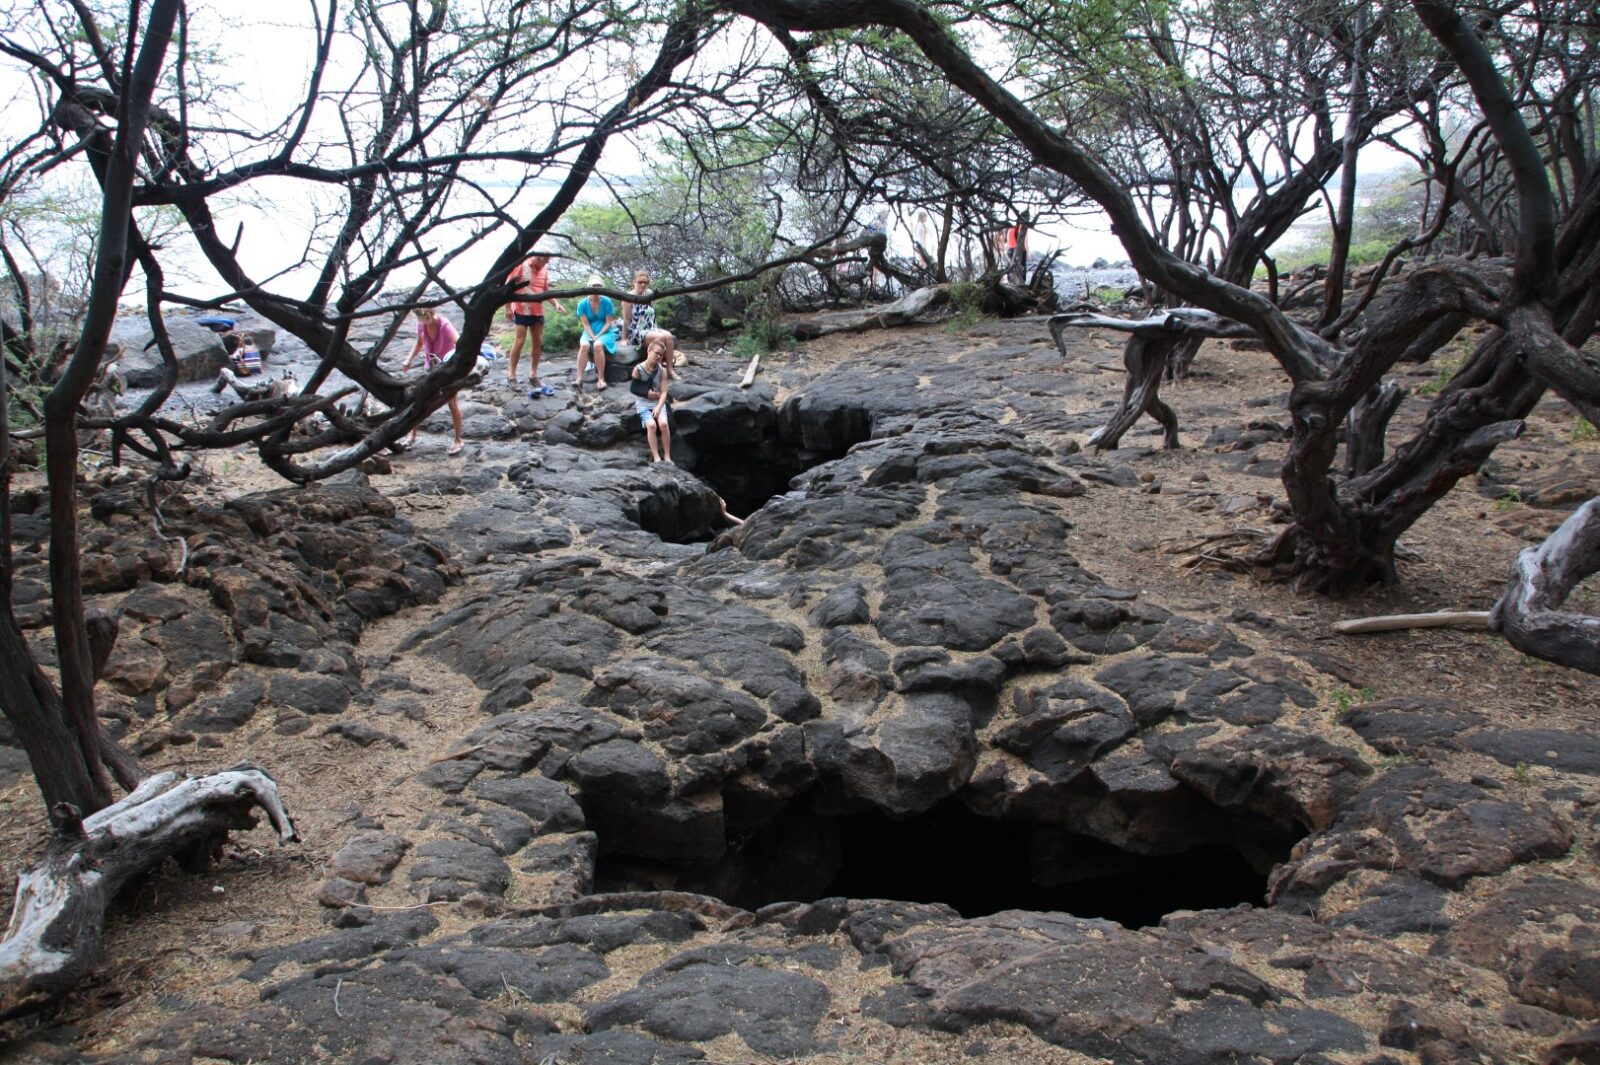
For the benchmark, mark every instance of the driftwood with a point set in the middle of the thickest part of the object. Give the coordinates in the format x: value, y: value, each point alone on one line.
x: 1151, y: 344
x: 60, y: 907
x: 750, y: 372
x: 1529, y: 612
x: 1439, y: 619
x: 903, y: 311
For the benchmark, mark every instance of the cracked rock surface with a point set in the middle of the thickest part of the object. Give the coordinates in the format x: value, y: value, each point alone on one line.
x: 616, y: 754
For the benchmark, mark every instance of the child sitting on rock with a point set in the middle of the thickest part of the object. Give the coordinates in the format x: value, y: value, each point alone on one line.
x: 246, y: 360
x: 246, y: 357
x: 649, y: 388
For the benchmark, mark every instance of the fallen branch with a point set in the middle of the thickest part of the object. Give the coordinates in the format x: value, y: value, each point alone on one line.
x: 1439, y: 619
x: 903, y: 311
x: 60, y: 908
x: 1230, y: 549
x: 750, y: 373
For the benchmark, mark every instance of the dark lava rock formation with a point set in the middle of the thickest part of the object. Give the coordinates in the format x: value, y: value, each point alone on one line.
x: 888, y: 770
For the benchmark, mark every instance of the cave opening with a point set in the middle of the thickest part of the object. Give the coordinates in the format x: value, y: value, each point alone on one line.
x: 750, y: 460
x: 749, y: 478
x: 677, y: 513
x: 976, y: 865
x: 746, y: 461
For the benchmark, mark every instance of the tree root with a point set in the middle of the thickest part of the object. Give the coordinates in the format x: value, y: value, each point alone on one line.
x: 60, y: 907
x: 1234, y: 550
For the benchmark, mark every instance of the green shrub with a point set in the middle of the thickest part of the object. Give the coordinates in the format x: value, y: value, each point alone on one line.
x: 759, y: 336
x: 966, y: 298
x: 561, y: 330
x: 1449, y: 362
x: 1343, y: 698
x: 763, y: 325
x: 747, y: 345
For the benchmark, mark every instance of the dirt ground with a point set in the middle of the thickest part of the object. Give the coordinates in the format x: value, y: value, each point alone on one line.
x: 175, y: 931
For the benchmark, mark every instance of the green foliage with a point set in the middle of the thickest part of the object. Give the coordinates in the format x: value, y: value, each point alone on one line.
x: 1582, y: 431
x: 1390, y: 209
x: 1343, y: 698
x: 52, y: 231
x: 1448, y: 364
x: 763, y: 329
x: 681, y: 224
x: 562, y: 330
x: 603, y: 239
x: 1315, y: 250
x: 748, y: 345
x: 1509, y: 500
x: 967, y: 299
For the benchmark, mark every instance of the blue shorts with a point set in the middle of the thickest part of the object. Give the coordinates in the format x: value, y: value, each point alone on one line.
x: 646, y: 413
x: 527, y: 319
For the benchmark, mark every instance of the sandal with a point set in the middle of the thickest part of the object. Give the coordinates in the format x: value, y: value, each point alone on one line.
x: 601, y: 387
x: 455, y: 448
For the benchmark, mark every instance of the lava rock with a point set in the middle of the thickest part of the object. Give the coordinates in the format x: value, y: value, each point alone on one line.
x: 369, y: 857
x: 774, y: 1011
x: 447, y: 869
x: 546, y: 803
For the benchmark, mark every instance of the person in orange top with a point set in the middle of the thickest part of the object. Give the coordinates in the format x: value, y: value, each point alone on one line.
x: 1017, y: 250
x: 527, y: 315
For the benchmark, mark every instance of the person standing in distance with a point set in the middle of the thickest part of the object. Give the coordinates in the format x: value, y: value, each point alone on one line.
x: 532, y: 277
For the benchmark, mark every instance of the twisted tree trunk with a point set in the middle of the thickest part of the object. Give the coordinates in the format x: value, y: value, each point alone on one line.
x: 1147, y: 358
x: 1529, y: 613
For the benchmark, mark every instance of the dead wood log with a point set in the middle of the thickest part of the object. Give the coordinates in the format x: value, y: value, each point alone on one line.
x: 903, y: 311
x: 60, y: 908
x: 1439, y: 619
x: 1529, y: 612
x: 1145, y: 359
x: 750, y: 372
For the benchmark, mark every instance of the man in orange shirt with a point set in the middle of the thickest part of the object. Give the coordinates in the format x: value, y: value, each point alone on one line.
x: 528, y: 316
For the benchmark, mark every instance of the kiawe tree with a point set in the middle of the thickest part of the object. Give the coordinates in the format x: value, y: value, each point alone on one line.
x: 1540, y: 306
x: 424, y: 131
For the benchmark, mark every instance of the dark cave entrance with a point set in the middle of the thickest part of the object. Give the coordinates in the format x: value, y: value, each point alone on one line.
x: 974, y: 864
x: 677, y: 513
x: 748, y: 479
x: 748, y: 459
